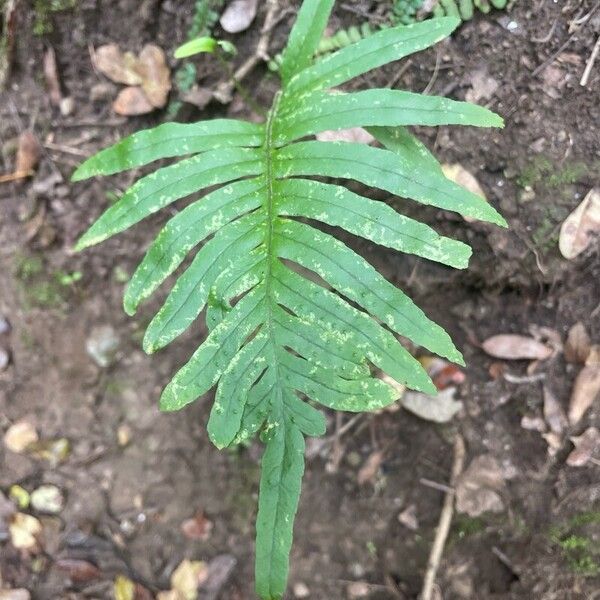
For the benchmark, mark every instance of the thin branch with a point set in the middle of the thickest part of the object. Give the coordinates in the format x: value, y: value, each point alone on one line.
x: 445, y: 520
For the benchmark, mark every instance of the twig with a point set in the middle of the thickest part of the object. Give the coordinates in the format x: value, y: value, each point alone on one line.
x: 65, y: 149
x: 590, y: 64
x: 434, y: 485
x: 445, y: 520
x: 224, y: 92
x: 554, y: 56
x: 15, y: 176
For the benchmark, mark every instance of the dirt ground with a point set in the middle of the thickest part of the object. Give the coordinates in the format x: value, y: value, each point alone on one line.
x: 131, y: 475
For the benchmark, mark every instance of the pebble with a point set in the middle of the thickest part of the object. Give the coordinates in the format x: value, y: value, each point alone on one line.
x: 102, y: 345
x: 4, y: 359
x: 358, y: 589
x: 301, y: 590
x: 47, y: 499
x: 4, y: 325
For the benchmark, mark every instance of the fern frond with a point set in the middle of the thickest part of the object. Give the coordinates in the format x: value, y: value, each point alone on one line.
x: 280, y: 343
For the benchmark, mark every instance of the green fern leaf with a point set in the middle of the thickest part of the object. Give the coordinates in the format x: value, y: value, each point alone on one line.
x: 280, y: 343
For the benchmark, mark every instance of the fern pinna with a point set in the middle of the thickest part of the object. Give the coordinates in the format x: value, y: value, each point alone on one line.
x: 279, y: 343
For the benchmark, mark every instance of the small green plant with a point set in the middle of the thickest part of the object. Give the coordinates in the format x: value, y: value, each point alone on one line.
x: 43, y: 10
x: 280, y: 343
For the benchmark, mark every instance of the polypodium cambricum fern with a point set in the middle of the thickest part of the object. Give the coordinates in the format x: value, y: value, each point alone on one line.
x: 279, y: 342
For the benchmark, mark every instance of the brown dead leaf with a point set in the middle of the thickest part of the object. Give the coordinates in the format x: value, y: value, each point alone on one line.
x: 132, y: 101
x: 370, y: 468
x: 516, y: 347
x: 358, y: 135
x: 28, y: 153
x: 587, y: 447
x: 198, y: 527
x: 77, y: 570
x: 578, y: 344
x: 156, y: 76
x: 581, y: 226
x: 408, y: 517
x: 440, y: 408
x: 51, y: 77
x: 478, y: 486
x: 585, y: 388
x: 459, y: 175
x: 117, y: 66
x: 553, y: 412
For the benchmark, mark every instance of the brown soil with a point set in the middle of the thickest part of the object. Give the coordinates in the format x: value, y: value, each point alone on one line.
x: 125, y: 505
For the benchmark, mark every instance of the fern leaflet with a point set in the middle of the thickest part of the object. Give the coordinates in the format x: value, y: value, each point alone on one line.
x: 280, y: 344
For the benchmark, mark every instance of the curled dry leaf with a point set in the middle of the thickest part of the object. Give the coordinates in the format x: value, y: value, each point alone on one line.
x: 357, y: 135
x: 20, y: 436
x: 156, y: 76
x: 51, y: 77
x: 439, y: 409
x: 516, y: 347
x: 578, y: 344
x: 238, y: 15
x: 120, y: 67
x: 587, y: 447
x: 586, y: 387
x: 581, y: 226
x: 553, y: 412
x: 132, y: 101
x: 478, y: 486
x: 28, y: 153
x: 408, y: 517
x: 369, y: 470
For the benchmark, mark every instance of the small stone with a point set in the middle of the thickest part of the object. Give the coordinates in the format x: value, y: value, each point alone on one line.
x: 4, y: 359
x: 16, y: 594
x: 20, y: 496
x: 301, y: 590
x: 408, y: 518
x: 358, y: 589
x: 4, y: 325
x: 20, y: 436
x: 102, y: 345
x: 124, y: 434
x: 67, y: 106
x: 47, y: 499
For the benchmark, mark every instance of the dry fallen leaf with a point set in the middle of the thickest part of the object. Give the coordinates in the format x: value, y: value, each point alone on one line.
x: 587, y: 447
x: 132, y: 101
x: 578, y: 344
x: 77, y: 570
x: 20, y: 436
x: 117, y: 66
x: 581, y: 226
x: 586, y: 387
x: 28, y: 153
x: 187, y: 577
x: 358, y: 135
x: 478, y: 486
x: 516, y: 347
x: 439, y: 409
x: 238, y: 15
x: 370, y: 468
x: 123, y: 588
x: 459, y: 175
x: 198, y: 527
x: 408, y: 517
x: 24, y: 531
x: 156, y: 76
x: 51, y: 77
x: 553, y: 412
x: 17, y: 594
